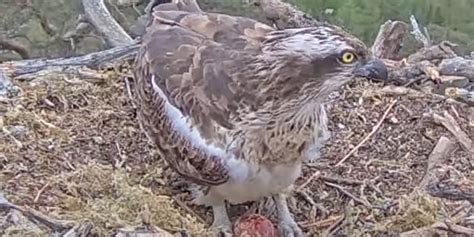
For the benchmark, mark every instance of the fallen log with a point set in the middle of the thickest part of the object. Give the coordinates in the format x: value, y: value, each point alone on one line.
x: 92, y: 60
x: 458, y: 66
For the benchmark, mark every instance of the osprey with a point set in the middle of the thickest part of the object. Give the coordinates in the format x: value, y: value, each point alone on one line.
x: 235, y: 106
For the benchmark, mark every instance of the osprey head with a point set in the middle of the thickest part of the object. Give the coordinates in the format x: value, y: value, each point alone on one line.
x: 320, y: 59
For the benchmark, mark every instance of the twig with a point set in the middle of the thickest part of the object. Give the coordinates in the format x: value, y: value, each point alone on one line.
x: 340, y: 180
x: 306, y: 197
x: 40, y: 192
x: 374, y: 130
x: 36, y: 216
x: 347, y: 193
x: 402, y: 90
x: 452, y: 126
x: 129, y: 92
x: 453, y: 190
x: 332, y: 228
x: 308, y: 181
x: 327, y: 222
x: 188, y: 209
x: 438, y: 229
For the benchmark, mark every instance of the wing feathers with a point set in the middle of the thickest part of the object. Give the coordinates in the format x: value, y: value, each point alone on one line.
x: 187, y: 52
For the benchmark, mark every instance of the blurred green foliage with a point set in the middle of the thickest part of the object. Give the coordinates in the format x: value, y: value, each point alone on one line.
x: 451, y: 20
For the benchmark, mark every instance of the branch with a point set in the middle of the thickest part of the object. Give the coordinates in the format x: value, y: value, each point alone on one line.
x: 439, y: 229
x: 452, y: 126
x: 457, y: 66
x: 35, y: 216
x: 441, y: 51
x: 436, y: 158
x: 100, y: 17
x: 389, y: 39
x: 366, y: 138
x: 10, y: 45
x: 17, y: 68
x: 424, y: 39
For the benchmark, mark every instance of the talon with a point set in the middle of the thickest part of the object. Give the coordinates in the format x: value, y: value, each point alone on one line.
x: 290, y: 229
x: 221, y: 221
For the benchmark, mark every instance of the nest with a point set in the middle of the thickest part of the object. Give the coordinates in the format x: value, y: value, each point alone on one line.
x: 72, y: 151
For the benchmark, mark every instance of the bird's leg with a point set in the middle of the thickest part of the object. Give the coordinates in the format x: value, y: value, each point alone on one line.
x: 221, y: 219
x: 287, y: 226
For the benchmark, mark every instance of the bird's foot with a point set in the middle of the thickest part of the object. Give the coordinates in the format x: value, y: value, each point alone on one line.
x: 221, y: 222
x: 287, y: 226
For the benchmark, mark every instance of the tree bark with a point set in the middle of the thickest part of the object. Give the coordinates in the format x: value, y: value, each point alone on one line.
x: 458, y: 66
x: 389, y: 39
x: 17, y: 68
x: 100, y: 17
x: 10, y: 45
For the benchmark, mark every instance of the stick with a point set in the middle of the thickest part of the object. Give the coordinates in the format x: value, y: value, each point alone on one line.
x: 320, y: 224
x: 36, y: 216
x: 17, y: 68
x: 347, y: 193
x: 453, y: 190
x: 437, y: 156
x: 439, y: 229
x: 417, y: 33
x: 308, y: 181
x: 189, y: 210
x: 11, y: 45
x: 389, y: 39
x: 374, y: 130
x: 100, y: 17
x: 452, y: 126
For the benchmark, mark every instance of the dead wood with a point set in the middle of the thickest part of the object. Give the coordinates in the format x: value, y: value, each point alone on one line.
x: 453, y: 190
x: 437, y: 157
x: 11, y: 45
x: 449, y: 122
x: 423, y: 38
x: 97, y: 13
x: 435, y: 53
x: 460, y: 94
x: 389, y: 39
x: 144, y: 231
x: 439, y: 229
x: 96, y: 59
x: 457, y: 66
x: 366, y: 138
x: 35, y: 216
x: 445, y: 227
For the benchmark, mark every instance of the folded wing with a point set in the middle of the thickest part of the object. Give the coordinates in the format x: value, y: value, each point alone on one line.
x: 185, y: 84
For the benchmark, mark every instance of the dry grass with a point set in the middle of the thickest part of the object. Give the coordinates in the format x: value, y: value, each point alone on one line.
x: 72, y: 150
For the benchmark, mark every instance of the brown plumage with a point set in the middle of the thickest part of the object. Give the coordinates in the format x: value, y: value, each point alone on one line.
x: 235, y: 105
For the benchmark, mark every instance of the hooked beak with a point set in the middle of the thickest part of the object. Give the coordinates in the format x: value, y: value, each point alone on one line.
x: 374, y: 69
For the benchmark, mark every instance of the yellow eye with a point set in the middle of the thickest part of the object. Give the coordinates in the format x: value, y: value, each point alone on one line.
x: 347, y: 57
